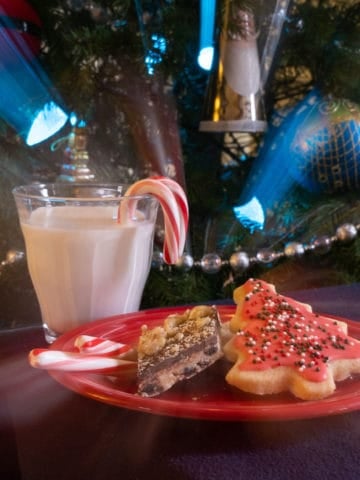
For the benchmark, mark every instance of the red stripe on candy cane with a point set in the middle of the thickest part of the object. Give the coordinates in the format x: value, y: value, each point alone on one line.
x: 77, y: 362
x: 182, y: 203
x: 175, y: 208
x: 100, y: 346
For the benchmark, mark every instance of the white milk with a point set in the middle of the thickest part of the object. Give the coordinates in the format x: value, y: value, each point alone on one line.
x: 86, y: 268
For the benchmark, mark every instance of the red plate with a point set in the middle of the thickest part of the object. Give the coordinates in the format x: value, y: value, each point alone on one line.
x: 206, y: 396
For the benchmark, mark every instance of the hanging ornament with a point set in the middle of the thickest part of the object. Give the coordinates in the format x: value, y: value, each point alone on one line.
x: 322, y: 133
x: 20, y: 26
x: 76, y: 157
x: 322, y: 144
x: 248, y: 40
x: 234, y: 101
x: 315, y: 145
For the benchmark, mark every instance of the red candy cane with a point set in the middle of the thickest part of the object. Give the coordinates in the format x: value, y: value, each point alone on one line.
x: 182, y: 204
x: 101, y: 346
x: 175, y: 208
x: 77, y: 362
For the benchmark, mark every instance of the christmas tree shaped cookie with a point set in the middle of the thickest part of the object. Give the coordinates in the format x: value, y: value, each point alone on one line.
x: 280, y: 345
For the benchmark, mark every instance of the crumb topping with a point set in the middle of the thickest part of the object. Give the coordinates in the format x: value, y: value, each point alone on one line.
x: 179, y: 333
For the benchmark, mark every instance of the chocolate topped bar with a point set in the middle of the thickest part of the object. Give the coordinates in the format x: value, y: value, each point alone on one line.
x: 184, y: 346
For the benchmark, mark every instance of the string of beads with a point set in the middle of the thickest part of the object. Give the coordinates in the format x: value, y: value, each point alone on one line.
x: 240, y: 261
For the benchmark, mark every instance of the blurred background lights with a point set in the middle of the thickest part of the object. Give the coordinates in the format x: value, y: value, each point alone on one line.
x: 205, y: 58
x: 27, y: 100
x: 46, y: 123
x: 155, y: 54
x: 207, y: 24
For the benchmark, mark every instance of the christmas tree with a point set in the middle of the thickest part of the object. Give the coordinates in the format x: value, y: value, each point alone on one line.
x: 128, y: 69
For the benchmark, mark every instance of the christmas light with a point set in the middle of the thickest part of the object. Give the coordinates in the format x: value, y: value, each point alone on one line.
x: 154, y: 55
x: 49, y: 120
x: 27, y: 101
x: 207, y: 22
x: 251, y: 214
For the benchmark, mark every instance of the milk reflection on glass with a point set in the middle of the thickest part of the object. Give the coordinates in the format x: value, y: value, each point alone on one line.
x: 83, y: 263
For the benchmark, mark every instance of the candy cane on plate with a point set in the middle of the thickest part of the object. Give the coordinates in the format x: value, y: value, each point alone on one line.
x: 175, y: 208
x: 77, y: 362
x: 88, y: 344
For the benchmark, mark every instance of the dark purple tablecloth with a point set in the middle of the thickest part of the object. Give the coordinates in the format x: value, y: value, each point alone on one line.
x: 48, y: 432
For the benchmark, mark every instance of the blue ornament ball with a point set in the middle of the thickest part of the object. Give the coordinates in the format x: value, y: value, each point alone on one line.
x: 322, y: 143
x: 314, y: 144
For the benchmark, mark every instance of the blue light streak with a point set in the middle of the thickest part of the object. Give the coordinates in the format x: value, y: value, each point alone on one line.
x: 27, y: 100
x: 207, y: 25
x: 270, y: 179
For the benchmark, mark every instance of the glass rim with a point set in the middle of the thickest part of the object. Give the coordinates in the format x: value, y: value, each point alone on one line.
x: 33, y: 191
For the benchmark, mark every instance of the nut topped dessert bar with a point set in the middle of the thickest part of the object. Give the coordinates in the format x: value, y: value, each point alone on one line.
x: 185, y: 345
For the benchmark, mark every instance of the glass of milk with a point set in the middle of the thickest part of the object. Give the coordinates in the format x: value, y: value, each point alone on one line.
x: 84, y: 263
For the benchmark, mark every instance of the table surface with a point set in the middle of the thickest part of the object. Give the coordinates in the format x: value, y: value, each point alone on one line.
x: 49, y: 432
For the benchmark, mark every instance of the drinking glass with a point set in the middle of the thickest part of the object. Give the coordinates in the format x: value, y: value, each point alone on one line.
x: 84, y: 262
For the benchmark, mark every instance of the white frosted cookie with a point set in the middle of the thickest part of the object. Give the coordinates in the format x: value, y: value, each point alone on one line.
x: 279, y: 345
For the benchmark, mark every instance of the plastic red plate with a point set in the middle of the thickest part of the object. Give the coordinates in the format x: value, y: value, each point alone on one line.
x: 206, y: 396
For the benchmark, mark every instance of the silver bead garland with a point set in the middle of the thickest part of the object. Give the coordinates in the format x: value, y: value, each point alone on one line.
x: 12, y: 256
x: 239, y: 261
